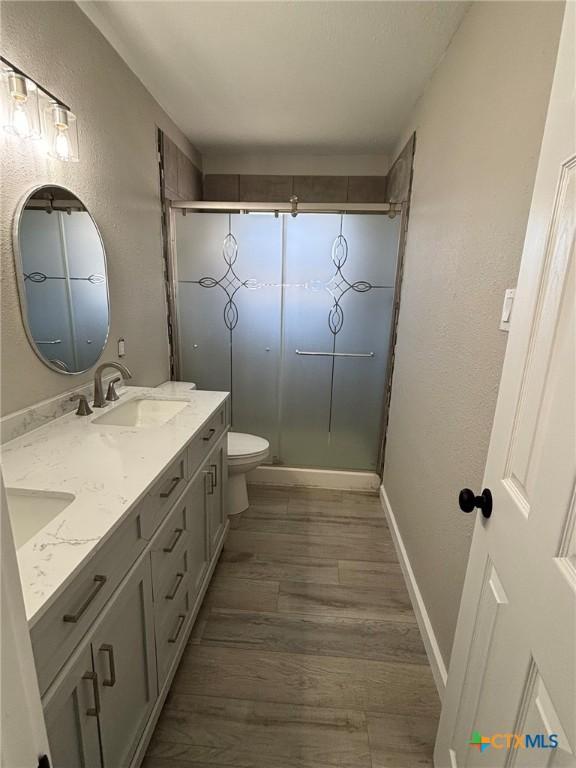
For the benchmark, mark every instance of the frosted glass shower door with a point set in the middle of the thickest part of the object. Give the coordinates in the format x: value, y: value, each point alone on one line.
x: 229, y: 274
x: 339, y: 279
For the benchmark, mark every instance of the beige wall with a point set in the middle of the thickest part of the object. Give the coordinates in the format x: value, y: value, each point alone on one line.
x: 117, y: 178
x: 478, y: 132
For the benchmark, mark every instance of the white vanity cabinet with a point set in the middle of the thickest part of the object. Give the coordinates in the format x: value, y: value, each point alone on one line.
x: 71, y: 714
x: 125, y: 664
x: 99, y: 705
x: 102, y: 704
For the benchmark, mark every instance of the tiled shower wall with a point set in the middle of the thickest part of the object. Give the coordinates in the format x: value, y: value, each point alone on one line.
x: 309, y: 189
x: 395, y: 187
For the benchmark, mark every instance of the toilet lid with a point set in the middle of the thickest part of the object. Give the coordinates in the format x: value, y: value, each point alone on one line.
x: 241, y: 444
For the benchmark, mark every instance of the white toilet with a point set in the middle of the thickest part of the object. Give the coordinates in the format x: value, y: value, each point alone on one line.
x: 245, y: 453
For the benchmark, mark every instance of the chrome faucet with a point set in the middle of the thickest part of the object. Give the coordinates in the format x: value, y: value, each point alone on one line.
x: 99, y: 399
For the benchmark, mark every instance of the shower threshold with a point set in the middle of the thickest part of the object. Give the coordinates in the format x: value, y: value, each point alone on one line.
x: 343, y: 480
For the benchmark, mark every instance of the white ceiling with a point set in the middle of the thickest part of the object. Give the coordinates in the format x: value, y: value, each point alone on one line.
x: 318, y: 77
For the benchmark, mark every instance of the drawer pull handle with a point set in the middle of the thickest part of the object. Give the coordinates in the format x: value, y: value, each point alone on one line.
x: 210, y: 477
x: 210, y: 435
x: 109, y: 649
x: 177, y: 533
x: 171, y: 487
x: 95, y: 710
x: 176, y: 635
x: 72, y: 618
x: 215, y: 468
x: 176, y: 587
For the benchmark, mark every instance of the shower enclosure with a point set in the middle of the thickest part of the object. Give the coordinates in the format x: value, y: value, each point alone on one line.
x: 294, y: 316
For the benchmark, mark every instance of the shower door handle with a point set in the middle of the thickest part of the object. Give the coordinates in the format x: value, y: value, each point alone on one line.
x: 335, y: 354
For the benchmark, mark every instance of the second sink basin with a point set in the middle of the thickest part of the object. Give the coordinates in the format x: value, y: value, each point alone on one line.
x: 30, y: 511
x: 142, y: 412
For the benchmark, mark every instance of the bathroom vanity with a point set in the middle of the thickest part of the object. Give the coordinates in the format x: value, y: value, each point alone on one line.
x: 119, y: 518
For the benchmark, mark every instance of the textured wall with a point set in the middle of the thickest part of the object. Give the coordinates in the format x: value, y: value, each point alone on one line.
x: 117, y: 179
x: 478, y: 132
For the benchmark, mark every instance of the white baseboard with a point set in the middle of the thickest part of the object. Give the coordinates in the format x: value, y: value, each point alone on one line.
x: 315, y: 478
x: 430, y: 643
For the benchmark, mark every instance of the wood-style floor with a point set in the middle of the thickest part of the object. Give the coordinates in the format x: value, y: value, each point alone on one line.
x: 306, y: 653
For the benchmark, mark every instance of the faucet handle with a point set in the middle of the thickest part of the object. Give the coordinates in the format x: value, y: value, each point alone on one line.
x: 111, y: 394
x: 83, y: 407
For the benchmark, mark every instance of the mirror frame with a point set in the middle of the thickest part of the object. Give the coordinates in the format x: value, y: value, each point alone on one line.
x: 19, y: 270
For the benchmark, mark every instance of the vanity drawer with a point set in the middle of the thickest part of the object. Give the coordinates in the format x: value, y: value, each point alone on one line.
x: 163, y: 494
x: 202, y: 444
x: 172, y: 625
x: 59, y: 631
x: 168, y: 550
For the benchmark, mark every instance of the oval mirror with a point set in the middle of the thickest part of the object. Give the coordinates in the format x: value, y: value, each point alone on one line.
x: 62, y: 279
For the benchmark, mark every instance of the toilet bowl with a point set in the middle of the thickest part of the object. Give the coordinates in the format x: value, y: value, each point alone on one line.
x: 245, y: 453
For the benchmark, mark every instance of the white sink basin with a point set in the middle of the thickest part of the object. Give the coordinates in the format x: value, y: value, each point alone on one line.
x: 30, y: 511
x: 142, y: 412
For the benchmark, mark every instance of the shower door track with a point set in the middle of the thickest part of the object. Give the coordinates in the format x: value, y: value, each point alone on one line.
x: 293, y: 208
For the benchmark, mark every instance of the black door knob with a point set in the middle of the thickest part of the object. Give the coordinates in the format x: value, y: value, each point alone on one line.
x: 469, y: 501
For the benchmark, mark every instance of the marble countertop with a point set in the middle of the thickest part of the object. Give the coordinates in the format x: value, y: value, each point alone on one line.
x: 107, y: 468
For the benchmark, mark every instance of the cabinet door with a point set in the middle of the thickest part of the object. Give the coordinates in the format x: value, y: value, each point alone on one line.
x: 216, y: 482
x: 71, y: 709
x: 196, y: 508
x: 125, y: 662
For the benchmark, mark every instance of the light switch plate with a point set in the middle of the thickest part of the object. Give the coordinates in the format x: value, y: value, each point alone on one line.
x: 507, y: 308
x: 121, y: 348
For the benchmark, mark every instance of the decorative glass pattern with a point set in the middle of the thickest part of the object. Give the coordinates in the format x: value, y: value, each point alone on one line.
x: 40, y: 277
x: 230, y: 283
x: 312, y: 287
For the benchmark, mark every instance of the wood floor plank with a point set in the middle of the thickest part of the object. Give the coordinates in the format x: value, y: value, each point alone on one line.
x: 304, y: 523
x: 242, y: 594
x: 321, y: 635
x: 236, y: 732
x: 320, y: 681
x: 166, y: 754
x: 247, y: 565
x: 402, y: 742
x: 321, y: 508
x: 314, y: 494
x: 199, y: 624
x: 268, y: 492
x: 362, y: 498
x: 169, y: 762
x: 350, y: 602
x: 385, y: 576
x: 297, y: 545
x: 260, y: 491
x: 306, y: 653
x: 266, y: 508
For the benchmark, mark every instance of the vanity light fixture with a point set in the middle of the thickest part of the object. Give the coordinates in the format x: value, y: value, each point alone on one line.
x: 21, y: 111
x: 61, y: 132
x: 23, y: 116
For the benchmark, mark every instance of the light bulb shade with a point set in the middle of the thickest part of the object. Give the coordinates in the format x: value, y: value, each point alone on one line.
x: 19, y: 105
x: 61, y: 133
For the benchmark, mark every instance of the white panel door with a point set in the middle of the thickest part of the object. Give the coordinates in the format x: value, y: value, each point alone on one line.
x: 22, y: 730
x: 512, y: 681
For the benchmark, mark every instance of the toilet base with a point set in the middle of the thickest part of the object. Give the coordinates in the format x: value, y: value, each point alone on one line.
x: 237, y: 493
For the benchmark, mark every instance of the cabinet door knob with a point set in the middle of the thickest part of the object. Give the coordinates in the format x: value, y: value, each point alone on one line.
x: 468, y: 501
